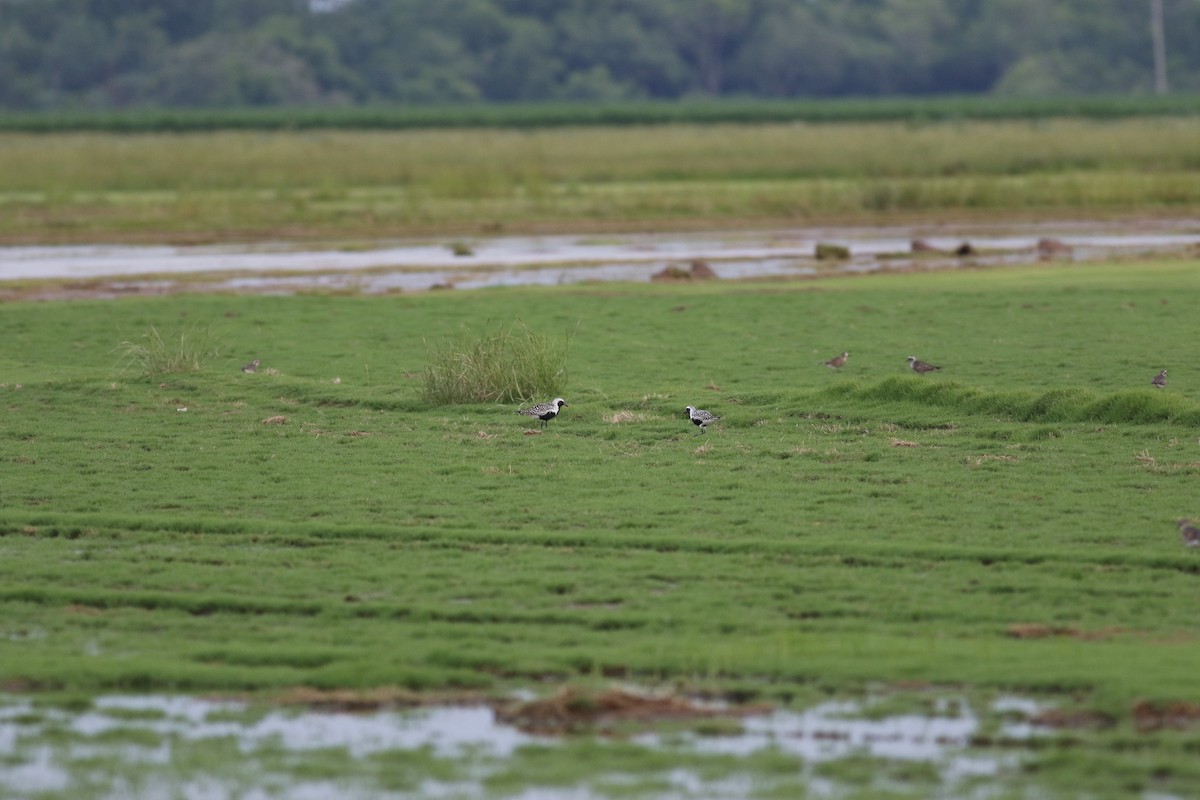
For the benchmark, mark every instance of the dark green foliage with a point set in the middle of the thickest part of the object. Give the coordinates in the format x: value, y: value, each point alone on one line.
x: 66, y: 54
x: 917, y: 110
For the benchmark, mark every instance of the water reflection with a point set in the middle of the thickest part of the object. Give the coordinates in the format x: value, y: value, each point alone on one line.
x: 151, y: 746
x: 507, y: 261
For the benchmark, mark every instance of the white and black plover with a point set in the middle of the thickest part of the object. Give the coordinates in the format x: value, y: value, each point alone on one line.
x: 1159, y: 381
x: 544, y: 411
x: 837, y: 361
x: 920, y: 367
x: 1189, y: 532
x: 700, y: 418
x: 252, y: 366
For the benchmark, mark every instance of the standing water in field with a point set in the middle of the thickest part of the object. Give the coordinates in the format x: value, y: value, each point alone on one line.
x: 152, y: 746
x: 509, y: 261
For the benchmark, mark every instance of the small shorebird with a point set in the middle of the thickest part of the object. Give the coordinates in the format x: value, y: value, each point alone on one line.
x: 252, y: 366
x: 919, y: 366
x: 545, y: 411
x: 1159, y: 381
x: 837, y: 361
x: 1189, y: 532
x: 700, y: 418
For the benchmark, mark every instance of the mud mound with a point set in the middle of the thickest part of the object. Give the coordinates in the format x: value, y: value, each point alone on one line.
x: 575, y: 710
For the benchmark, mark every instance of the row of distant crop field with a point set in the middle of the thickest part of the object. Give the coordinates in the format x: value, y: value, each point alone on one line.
x: 550, y: 115
x: 212, y: 186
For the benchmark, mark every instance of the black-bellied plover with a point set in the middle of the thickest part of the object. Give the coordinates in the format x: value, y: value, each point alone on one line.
x: 837, y: 361
x: 1159, y: 381
x: 252, y: 366
x: 1189, y: 532
x: 700, y: 418
x: 920, y: 367
x: 545, y: 411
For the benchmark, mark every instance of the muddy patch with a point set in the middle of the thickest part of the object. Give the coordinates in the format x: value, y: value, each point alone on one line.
x: 575, y: 710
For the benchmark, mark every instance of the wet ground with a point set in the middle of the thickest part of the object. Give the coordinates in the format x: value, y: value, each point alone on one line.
x: 405, y: 266
x: 174, y: 746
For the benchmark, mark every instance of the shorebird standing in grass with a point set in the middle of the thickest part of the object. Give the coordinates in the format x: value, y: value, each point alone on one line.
x: 920, y: 367
x: 1159, y: 381
x: 837, y: 361
x: 545, y: 411
x: 1189, y: 532
x: 252, y: 366
x: 700, y: 418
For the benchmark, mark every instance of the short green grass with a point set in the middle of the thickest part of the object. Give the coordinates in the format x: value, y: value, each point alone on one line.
x: 319, y: 523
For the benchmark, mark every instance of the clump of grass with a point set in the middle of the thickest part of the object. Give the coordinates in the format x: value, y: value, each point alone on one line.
x: 500, y: 366
x: 151, y: 354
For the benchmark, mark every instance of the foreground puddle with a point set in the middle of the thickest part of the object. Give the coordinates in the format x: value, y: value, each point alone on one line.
x: 165, y: 746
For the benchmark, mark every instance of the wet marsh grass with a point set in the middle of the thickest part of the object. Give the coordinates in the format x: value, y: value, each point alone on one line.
x: 313, y: 184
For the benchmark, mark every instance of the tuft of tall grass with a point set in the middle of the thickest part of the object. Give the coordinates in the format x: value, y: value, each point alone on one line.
x: 505, y: 365
x: 188, y: 351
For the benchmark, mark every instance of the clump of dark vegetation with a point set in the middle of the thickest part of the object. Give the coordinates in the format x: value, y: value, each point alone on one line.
x: 506, y: 365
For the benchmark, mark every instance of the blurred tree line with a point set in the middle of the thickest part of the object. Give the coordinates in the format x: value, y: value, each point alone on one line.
x: 208, y: 53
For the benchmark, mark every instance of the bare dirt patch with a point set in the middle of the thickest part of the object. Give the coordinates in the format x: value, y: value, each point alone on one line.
x: 1178, y: 715
x: 573, y: 710
x: 1036, y: 630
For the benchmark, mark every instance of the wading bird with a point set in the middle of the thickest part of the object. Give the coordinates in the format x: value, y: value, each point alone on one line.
x: 700, y: 418
x: 545, y: 411
x: 919, y: 366
x: 837, y: 361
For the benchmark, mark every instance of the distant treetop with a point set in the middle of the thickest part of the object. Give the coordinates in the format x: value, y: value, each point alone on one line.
x: 112, y: 54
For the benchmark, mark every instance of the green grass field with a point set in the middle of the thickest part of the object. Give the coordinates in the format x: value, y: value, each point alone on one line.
x: 870, y: 525
x: 1006, y: 524
x: 312, y: 185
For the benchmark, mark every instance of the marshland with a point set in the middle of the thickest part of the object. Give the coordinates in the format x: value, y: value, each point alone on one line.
x: 910, y: 544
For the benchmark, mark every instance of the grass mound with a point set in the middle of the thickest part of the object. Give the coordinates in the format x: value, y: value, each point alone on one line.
x: 503, y: 366
x: 1067, y: 404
